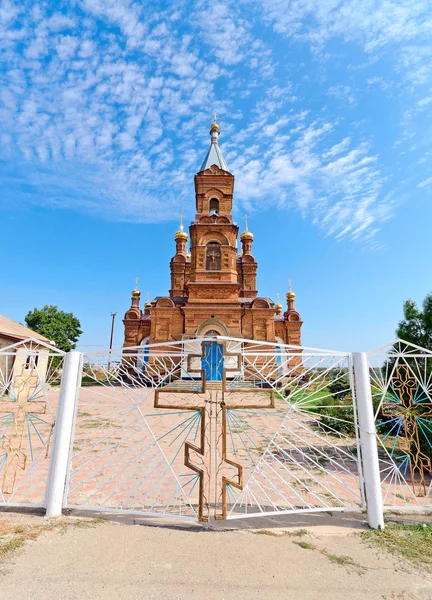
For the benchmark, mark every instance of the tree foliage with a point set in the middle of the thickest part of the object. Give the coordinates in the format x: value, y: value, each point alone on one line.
x: 416, y: 326
x: 61, y: 327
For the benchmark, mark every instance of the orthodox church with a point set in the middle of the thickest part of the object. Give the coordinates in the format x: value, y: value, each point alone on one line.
x: 213, y: 287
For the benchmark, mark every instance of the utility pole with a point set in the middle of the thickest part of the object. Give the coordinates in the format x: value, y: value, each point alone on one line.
x: 113, y: 316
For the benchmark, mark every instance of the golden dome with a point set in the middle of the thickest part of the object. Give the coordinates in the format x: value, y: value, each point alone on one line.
x: 278, y: 307
x: 214, y: 127
x: 181, y: 234
x: 148, y: 304
x: 290, y: 295
x: 136, y: 293
x: 246, y: 235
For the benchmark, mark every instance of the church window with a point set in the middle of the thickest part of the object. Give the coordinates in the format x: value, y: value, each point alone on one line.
x: 214, y: 206
x: 213, y: 256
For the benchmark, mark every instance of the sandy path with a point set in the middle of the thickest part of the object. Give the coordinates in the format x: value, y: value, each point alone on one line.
x: 118, y: 561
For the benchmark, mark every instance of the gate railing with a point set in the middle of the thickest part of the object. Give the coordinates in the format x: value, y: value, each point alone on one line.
x: 216, y: 428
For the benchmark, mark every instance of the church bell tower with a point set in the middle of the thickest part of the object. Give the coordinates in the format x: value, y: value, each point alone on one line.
x: 213, y: 285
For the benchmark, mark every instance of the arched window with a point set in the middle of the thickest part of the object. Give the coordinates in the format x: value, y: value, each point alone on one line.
x: 214, y: 206
x: 213, y: 256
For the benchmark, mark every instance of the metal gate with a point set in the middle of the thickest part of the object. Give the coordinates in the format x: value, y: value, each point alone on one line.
x: 216, y: 428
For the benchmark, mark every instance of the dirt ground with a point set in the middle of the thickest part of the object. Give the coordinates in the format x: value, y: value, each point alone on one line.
x: 301, y: 557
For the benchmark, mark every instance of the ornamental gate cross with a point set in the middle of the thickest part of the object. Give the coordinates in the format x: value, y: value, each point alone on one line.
x: 209, y: 459
x: 21, y: 405
x: 409, y: 407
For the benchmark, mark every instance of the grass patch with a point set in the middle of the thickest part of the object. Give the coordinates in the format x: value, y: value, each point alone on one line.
x: 344, y: 561
x: 412, y: 542
x: 305, y: 545
x: 308, y: 399
x: 266, y: 532
x: 298, y: 532
x: 13, y: 536
x: 339, y: 559
x: 7, y: 546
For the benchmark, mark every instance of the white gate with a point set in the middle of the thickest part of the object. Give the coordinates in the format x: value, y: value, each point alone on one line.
x: 30, y: 373
x: 216, y: 428
x: 401, y: 382
x: 256, y: 430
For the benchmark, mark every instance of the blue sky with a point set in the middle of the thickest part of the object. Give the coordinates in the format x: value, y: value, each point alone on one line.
x: 325, y: 115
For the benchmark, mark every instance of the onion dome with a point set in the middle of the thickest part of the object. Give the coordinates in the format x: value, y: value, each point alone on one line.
x: 181, y: 233
x: 148, y: 304
x: 278, y: 305
x: 246, y: 235
x: 136, y: 293
x: 290, y: 295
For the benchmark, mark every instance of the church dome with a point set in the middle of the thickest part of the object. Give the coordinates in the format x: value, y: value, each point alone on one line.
x: 290, y: 295
x: 246, y: 235
x: 181, y: 234
x: 136, y: 293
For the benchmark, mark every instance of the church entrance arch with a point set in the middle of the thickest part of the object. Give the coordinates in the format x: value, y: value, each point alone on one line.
x: 212, y: 328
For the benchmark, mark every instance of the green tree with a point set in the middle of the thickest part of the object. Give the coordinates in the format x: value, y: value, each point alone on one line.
x: 61, y: 327
x: 416, y: 326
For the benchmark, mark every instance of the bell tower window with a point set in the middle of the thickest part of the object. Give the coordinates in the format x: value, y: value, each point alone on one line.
x: 213, y: 256
x: 214, y: 206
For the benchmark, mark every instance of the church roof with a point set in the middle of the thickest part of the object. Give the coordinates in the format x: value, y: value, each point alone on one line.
x: 214, y: 157
x: 12, y: 329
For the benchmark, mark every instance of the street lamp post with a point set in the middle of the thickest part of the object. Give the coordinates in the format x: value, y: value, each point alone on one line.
x: 113, y: 316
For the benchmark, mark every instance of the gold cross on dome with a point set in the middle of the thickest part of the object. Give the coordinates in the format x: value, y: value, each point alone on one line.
x: 215, y: 116
x: 136, y: 282
x: 289, y: 285
x: 246, y: 217
x: 278, y: 298
x: 181, y: 221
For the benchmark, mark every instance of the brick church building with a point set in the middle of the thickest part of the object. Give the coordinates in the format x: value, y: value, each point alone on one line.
x: 213, y: 285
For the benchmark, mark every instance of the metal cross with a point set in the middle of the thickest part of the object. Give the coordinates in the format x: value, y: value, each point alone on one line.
x: 246, y: 217
x: 209, y: 459
x: 21, y: 406
x: 136, y: 282
x: 214, y: 116
x: 181, y: 221
x: 409, y: 406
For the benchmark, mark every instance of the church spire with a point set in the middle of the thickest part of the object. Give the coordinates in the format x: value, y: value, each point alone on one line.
x: 214, y: 154
x: 290, y: 297
x: 136, y: 294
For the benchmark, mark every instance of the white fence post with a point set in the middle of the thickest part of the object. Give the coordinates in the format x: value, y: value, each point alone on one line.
x: 368, y: 441
x: 69, y: 388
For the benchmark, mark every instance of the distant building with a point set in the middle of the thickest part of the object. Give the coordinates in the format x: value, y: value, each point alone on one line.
x: 24, y: 358
x: 213, y: 286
